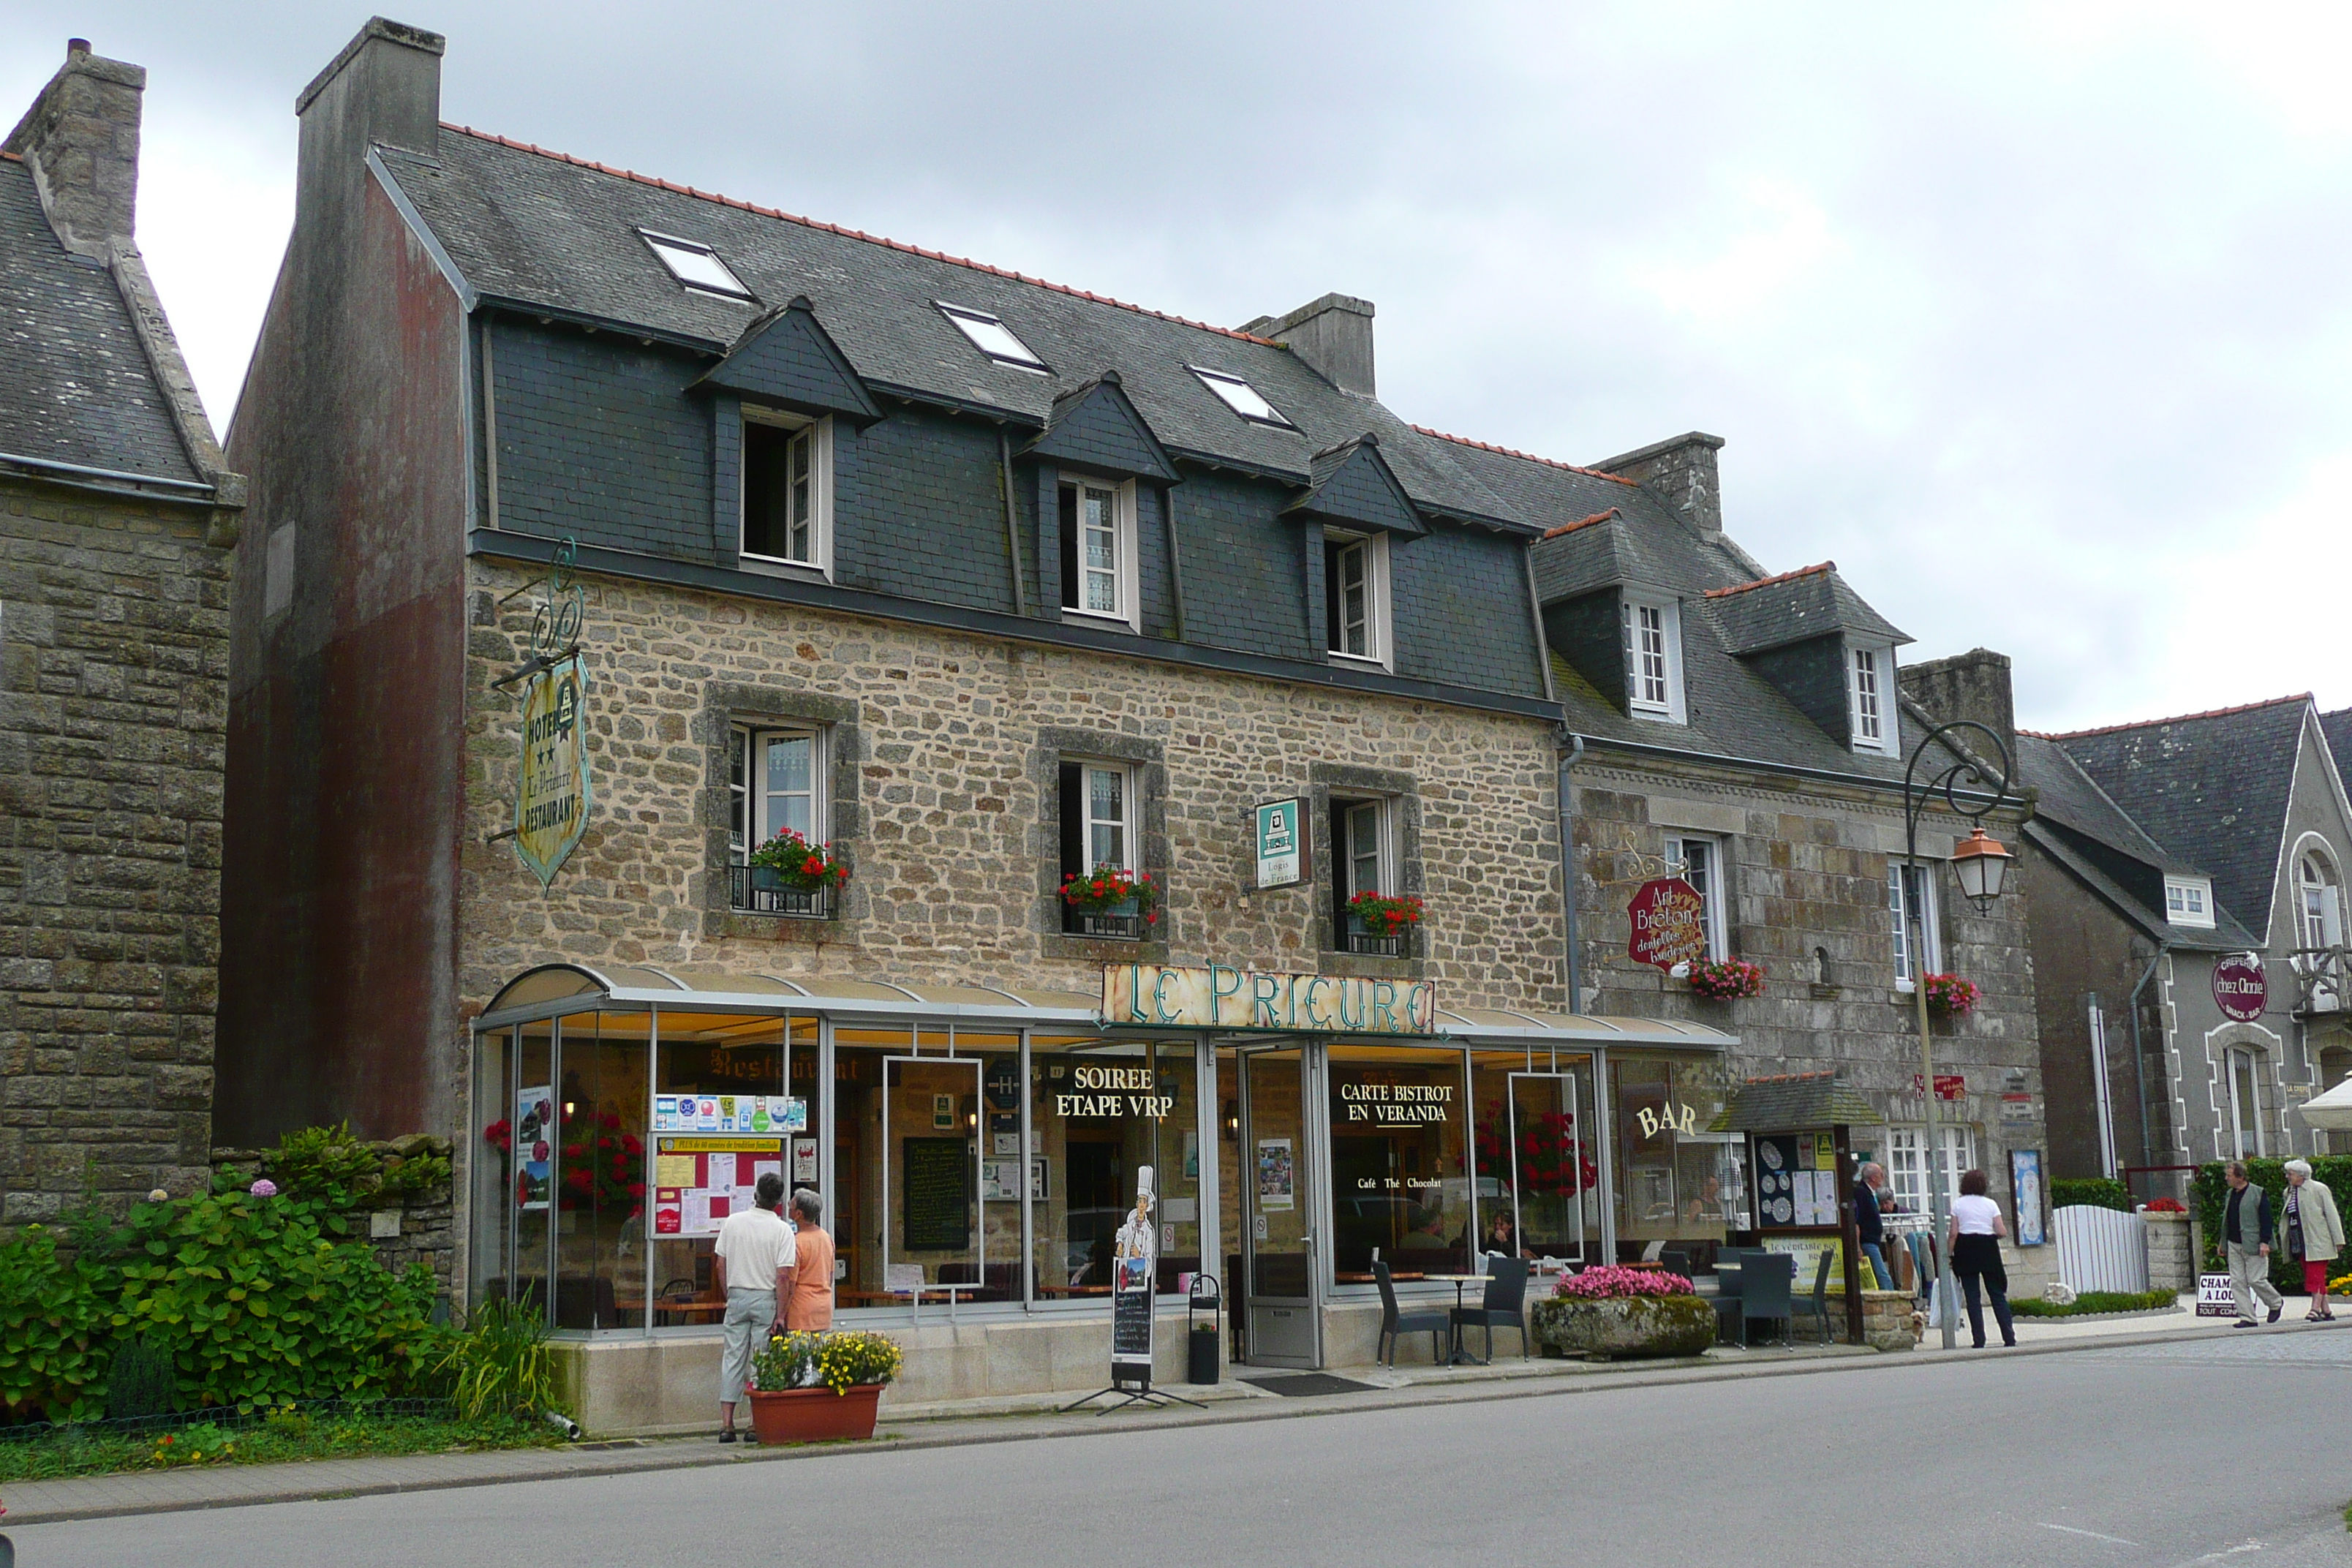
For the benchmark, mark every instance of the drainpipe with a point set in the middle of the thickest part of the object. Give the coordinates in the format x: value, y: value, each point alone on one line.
x: 1569, y: 755
x: 2139, y: 1062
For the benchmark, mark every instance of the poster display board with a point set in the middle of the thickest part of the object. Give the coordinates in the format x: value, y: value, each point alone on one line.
x: 1796, y: 1181
x: 699, y: 1180
x: 1135, y: 1258
x: 728, y: 1113
x: 1275, y: 1174
x: 2025, y: 1191
x: 534, y: 1134
x: 936, y: 1208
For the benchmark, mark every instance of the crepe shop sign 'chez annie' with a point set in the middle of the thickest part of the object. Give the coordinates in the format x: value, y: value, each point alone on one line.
x: 1217, y: 997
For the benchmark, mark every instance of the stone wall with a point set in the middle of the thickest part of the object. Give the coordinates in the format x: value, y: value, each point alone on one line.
x: 944, y: 803
x: 408, y: 1228
x: 2171, y: 1252
x: 113, y: 689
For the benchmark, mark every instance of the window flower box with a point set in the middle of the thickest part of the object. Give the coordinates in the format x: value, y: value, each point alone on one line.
x: 1726, y: 979
x: 1951, y: 996
x: 1109, y: 901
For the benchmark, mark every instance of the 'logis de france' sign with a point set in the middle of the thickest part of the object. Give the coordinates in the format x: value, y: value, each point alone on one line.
x: 1668, y: 924
x: 1217, y: 997
x: 2240, y: 989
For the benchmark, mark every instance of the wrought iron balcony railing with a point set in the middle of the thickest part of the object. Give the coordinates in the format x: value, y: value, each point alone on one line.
x: 760, y: 891
x: 1102, y: 923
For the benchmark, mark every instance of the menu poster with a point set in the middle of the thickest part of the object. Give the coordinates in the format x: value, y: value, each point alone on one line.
x: 1276, y: 1176
x: 698, y: 1181
x: 937, y: 1213
x: 534, y: 1133
x: 803, y: 1162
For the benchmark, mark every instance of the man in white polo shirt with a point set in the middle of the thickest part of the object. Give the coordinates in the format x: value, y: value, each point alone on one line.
x: 755, y: 1260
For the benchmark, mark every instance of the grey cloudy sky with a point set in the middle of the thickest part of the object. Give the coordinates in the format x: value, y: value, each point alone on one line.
x: 2032, y: 318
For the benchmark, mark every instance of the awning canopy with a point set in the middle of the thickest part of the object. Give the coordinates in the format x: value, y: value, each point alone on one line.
x: 551, y: 989
x: 2332, y: 1110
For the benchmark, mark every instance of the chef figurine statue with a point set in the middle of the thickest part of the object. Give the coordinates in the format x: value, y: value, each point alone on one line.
x: 1136, y: 1237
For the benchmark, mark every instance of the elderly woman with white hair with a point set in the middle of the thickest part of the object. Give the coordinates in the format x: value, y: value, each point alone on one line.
x: 2315, y: 1234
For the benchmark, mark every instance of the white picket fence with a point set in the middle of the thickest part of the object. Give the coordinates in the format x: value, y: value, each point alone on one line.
x: 2101, y: 1249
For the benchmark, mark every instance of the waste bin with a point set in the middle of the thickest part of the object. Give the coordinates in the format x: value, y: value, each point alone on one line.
x: 1200, y: 1337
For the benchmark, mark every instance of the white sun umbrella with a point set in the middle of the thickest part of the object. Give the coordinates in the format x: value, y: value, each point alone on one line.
x: 2331, y: 1111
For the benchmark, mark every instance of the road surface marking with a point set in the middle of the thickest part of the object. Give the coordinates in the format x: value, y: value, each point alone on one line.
x: 2094, y: 1534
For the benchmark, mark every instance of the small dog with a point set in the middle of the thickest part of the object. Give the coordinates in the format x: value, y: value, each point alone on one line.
x: 1918, y: 1329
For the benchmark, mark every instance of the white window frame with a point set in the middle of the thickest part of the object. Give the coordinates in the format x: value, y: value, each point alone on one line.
x: 1906, y: 1164
x: 1650, y: 631
x: 1384, y: 844
x: 818, y: 434
x: 1127, y: 822
x: 973, y: 326
x: 1246, y: 400
x: 1706, y: 855
x: 2318, y: 901
x: 750, y: 809
x: 677, y: 254
x: 2188, y: 901
x: 2244, y: 1114
x: 1872, y: 707
x: 1123, y: 540
x: 1374, y: 549
x: 1905, y: 972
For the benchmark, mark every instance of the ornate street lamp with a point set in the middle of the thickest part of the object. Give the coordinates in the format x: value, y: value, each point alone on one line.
x: 1979, y: 864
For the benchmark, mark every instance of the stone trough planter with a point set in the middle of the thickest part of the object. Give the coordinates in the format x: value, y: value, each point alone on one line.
x: 1625, y: 1326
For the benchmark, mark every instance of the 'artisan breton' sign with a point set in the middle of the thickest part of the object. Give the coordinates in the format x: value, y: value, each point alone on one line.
x: 1668, y: 923
x: 1217, y: 997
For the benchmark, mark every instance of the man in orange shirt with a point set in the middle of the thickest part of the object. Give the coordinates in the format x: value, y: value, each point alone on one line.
x: 809, y: 1304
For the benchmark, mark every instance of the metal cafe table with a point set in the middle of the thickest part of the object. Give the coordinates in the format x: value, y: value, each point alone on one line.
x: 1461, y: 1282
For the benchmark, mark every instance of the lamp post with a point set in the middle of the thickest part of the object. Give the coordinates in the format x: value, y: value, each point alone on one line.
x: 1978, y: 865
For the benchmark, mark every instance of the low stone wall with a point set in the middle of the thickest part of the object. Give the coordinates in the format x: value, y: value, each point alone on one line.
x: 2171, y: 1252
x: 411, y: 1228
x: 1885, y: 1320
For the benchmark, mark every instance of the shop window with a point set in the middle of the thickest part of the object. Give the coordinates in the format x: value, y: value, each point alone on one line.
x: 1098, y: 576
x: 2244, y: 1134
x: 775, y: 784
x: 1679, y: 1187
x: 1906, y: 1164
x: 1100, y: 821
x: 1536, y: 1155
x: 1401, y: 1169
x: 787, y: 490
x: 1101, y: 1112
x: 1911, y: 888
x: 1364, y: 859
x: 1356, y: 596
x: 1702, y: 863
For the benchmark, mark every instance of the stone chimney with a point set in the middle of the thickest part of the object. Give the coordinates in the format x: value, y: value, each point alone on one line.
x: 1971, y: 685
x: 1333, y: 335
x: 80, y: 139
x: 1681, y: 471
x: 385, y: 86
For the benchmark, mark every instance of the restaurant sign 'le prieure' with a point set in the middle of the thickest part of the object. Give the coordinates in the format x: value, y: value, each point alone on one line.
x: 1217, y: 997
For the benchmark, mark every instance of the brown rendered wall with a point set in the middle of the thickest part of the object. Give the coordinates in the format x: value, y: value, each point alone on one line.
x: 114, y: 683
x: 345, y: 710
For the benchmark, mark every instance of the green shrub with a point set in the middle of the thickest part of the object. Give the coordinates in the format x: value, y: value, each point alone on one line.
x: 2211, y: 1189
x: 52, y: 1332
x: 142, y: 1381
x: 2094, y: 1192
x: 500, y: 1364
x: 2092, y: 1302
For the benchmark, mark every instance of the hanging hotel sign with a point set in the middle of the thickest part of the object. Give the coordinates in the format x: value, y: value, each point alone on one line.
x: 552, y: 797
x: 1668, y: 924
x: 1281, y: 841
x: 2240, y: 989
x: 1217, y: 997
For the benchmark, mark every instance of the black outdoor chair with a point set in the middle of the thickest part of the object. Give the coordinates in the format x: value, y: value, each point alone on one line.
x: 1436, y: 1325
x: 1506, y: 1302
x: 1766, y: 1279
x: 1727, y: 1320
x: 1675, y: 1262
x: 1817, y: 1305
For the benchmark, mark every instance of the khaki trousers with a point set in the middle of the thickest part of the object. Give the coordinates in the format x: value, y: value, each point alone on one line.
x: 2250, y: 1276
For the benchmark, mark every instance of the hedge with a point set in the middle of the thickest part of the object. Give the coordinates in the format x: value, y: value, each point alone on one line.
x: 2093, y: 1192
x: 2091, y: 1302
x: 2212, y: 1188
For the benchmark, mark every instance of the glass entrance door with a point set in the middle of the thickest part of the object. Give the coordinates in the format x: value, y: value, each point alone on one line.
x: 1554, y: 1167
x: 1282, y: 1272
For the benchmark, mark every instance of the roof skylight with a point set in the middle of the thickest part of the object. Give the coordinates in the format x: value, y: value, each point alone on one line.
x: 1240, y: 396
x: 991, y: 337
x: 695, y: 264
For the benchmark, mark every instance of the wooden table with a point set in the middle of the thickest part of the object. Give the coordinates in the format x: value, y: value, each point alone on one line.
x: 1074, y: 1289
x: 691, y: 1308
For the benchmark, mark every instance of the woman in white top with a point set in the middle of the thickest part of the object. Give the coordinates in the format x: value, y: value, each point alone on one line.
x: 1974, y: 1248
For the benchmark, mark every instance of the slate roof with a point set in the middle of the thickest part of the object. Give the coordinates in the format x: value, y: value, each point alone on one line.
x: 540, y: 230
x: 2336, y: 729
x: 75, y: 384
x: 1796, y: 606
x: 1793, y: 1102
x: 2068, y: 795
x: 2212, y: 788
x: 2226, y: 935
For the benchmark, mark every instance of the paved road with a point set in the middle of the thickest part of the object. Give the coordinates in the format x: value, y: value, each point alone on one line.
x: 2224, y: 1451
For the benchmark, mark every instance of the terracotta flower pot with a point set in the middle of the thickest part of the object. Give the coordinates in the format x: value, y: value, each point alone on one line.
x: 815, y: 1415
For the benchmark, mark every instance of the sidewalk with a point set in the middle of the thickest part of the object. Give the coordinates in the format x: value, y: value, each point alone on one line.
x: 958, y: 1422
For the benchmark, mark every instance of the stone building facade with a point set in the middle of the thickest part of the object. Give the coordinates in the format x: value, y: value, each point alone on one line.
x: 116, y: 516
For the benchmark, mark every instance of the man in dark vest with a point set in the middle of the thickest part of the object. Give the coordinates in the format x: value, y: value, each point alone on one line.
x: 2247, y: 1231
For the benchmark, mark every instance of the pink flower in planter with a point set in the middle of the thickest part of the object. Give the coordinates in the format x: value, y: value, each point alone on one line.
x: 263, y: 1187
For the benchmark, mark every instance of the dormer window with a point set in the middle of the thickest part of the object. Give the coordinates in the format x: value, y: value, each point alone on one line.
x: 993, y: 338
x: 1653, y: 659
x: 2188, y: 901
x: 696, y: 265
x: 1241, y: 398
x: 1870, y: 700
x: 1356, y: 597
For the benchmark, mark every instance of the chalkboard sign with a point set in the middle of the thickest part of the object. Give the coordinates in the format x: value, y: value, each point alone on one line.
x: 1130, y: 1334
x: 937, y: 1212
